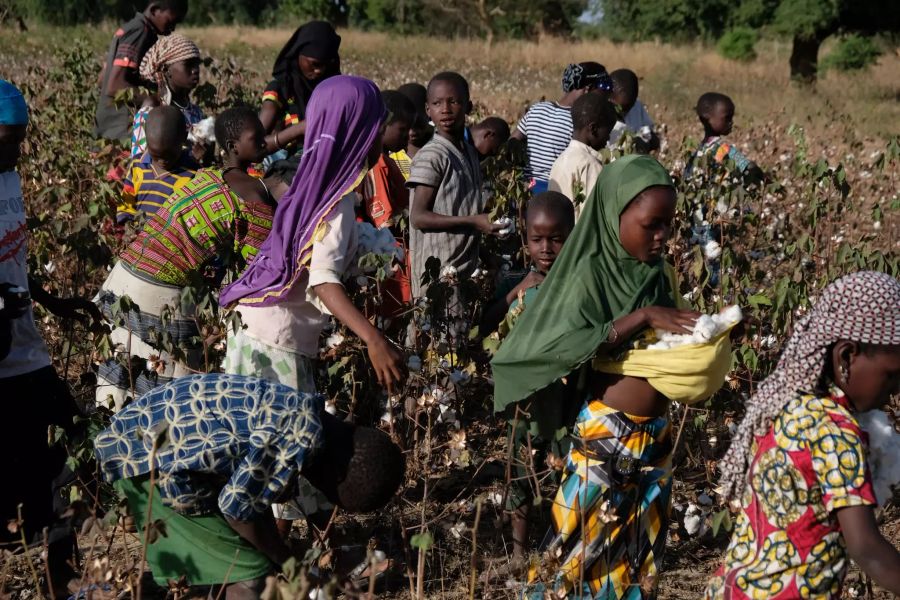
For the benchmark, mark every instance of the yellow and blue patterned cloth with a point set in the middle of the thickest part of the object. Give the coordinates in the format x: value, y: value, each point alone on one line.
x: 787, y: 541
x: 226, y: 442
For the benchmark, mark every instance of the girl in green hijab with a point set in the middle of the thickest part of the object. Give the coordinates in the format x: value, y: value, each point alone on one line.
x: 608, y: 285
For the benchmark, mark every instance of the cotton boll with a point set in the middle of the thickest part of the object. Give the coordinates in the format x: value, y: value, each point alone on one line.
x: 693, y: 519
x: 203, y: 132
x: 449, y: 273
x: 712, y: 250
x: 509, y: 227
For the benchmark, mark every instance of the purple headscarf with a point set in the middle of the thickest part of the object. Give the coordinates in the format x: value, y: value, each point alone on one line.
x: 343, y: 120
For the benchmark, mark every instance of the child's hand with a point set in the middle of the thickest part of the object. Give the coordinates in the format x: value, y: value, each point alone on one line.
x: 676, y: 320
x: 387, y: 362
x: 483, y: 224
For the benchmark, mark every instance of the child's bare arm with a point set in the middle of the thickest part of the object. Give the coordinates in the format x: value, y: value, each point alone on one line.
x: 874, y: 554
x: 262, y: 535
x: 387, y: 362
x: 423, y: 217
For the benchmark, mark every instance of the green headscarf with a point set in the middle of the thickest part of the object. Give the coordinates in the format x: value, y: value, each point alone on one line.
x: 593, y: 282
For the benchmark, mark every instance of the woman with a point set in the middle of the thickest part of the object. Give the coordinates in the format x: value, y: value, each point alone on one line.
x: 286, y: 295
x: 173, y: 63
x: 797, y: 465
x: 308, y: 58
x: 609, y: 284
x: 215, y: 222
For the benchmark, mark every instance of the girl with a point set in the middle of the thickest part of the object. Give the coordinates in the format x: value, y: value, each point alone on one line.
x: 173, y: 63
x: 609, y: 283
x: 797, y: 467
x: 216, y: 221
x: 286, y: 295
x: 308, y: 58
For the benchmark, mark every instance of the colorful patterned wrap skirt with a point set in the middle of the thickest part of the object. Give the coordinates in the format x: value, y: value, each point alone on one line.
x: 610, y: 514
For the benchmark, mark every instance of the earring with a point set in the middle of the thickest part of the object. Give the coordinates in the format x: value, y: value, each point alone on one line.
x: 845, y: 372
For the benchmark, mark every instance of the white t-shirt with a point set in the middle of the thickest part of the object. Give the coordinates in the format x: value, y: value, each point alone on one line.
x: 578, y: 166
x: 295, y: 323
x: 635, y: 119
x: 28, y: 352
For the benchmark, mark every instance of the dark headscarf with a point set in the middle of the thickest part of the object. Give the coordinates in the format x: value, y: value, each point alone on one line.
x: 316, y: 39
x: 586, y: 74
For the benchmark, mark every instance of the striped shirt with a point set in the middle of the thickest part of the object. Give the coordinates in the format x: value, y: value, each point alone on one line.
x: 202, y: 225
x: 403, y: 160
x: 146, y: 188
x: 548, y: 129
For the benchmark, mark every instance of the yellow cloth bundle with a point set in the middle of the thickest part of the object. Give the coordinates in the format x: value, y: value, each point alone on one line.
x: 687, y: 374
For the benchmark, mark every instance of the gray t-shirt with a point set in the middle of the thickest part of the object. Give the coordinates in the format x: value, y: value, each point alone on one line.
x: 456, y: 174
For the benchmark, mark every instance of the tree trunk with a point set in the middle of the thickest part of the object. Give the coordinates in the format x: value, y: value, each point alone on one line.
x: 804, y: 59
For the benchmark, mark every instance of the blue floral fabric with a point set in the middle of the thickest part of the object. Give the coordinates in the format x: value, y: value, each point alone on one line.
x: 230, y: 442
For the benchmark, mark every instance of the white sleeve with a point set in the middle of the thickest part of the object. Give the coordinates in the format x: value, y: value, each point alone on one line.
x: 334, y: 245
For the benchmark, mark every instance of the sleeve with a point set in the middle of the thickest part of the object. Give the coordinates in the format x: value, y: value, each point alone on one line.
x: 428, y: 167
x: 741, y: 162
x: 522, y: 125
x: 126, y: 209
x: 262, y: 476
x: 646, y: 120
x: 839, y: 462
x: 272, y: 93
x: 128, y: 48
x: 334, y: 245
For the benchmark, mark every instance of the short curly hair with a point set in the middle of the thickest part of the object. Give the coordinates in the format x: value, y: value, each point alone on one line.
x: 232, y: 122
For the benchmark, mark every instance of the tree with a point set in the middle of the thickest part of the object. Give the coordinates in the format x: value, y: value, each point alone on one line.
x: 807, y: 22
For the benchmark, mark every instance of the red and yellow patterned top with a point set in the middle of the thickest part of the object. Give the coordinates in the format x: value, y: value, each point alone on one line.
x: 201, y: 225
x: 787, y: 541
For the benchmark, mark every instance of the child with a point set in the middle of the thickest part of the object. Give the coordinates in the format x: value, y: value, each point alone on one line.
x: 796, y: 469
x: 383, y: 191
x: 546, y: 128
x: 120, y: 71
x: 173, y: 63
x: 446, y: 204
x: 420, y: 132
x: 716, y: 113
x: 242, y: 442
x: 609, y: 283
x: 575, y: 171
x: 307, y: 59
x: 549, y: 219
x: 36, y: 396
x: 635, y: 116
x: 214, y: 223
x: 164, y: 168
x: 488, y: 136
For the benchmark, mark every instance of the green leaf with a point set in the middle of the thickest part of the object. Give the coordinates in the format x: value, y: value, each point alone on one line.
x: 721, y: 519
x: 422, y: 541
x: 757, y: 300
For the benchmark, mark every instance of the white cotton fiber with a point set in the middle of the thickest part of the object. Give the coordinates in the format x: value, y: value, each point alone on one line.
x: 203, y: 132
x: 706, y: 328
x: 509, y: 227
x: 884, y: 452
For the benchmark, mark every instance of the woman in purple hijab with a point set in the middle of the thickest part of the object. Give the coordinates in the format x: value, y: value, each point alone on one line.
x: 286, y: 294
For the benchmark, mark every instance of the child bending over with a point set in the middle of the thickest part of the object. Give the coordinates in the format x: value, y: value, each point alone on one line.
x: 123, y: 59
x: 162, y: 169
x: 446, y: 208
x: 796, y: 470
x: 488, y: 136
x: 245, y: 441
x: 575, y: 171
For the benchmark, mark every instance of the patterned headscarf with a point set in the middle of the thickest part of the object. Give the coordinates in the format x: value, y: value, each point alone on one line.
x: 582, y: 75
x: 863, y: 307
x: 167, y: 50
x: 13, y: 109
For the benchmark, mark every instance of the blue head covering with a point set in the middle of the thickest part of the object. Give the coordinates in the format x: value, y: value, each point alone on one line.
x: 13, y: 110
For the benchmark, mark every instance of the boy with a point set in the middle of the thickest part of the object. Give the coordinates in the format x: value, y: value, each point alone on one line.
x: 383, y: 190
x: 223, y: 448
x: 488, y: 136
x: 547, y: 126
x: 635, y: 116
x: 120, y: 71
x: 420, y: 132
x: 575, y: 171
x: 36, y: 397
x: 164, y: 168
x: 716, y: 113
x: 541, y: 421
x: 446, y: 201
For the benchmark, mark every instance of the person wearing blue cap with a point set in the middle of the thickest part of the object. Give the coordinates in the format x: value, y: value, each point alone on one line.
x: 37, y: 398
